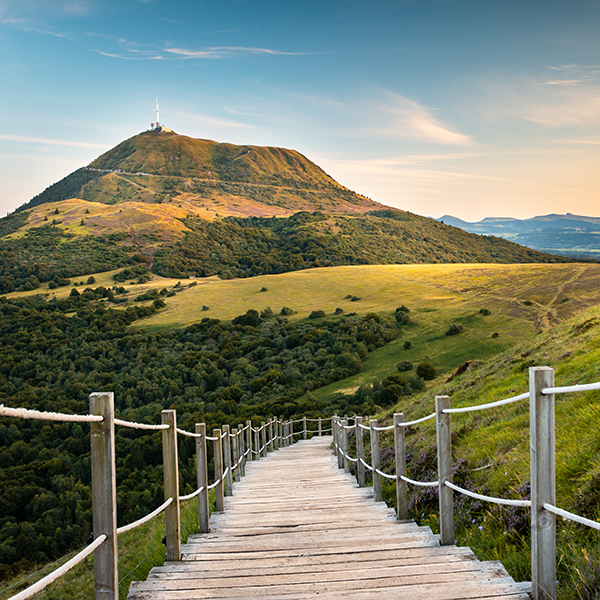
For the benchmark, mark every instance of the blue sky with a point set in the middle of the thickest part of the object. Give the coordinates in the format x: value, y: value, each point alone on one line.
x: 466, y: 107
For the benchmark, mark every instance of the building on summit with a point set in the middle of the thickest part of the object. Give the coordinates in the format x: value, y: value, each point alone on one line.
x: 158, y: 127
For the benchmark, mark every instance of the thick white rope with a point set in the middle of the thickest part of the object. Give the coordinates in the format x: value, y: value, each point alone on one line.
x: 212, y: 439
x: 44, y: 582
x: 189, y: 433
x: 134, y: 425
x: 348, y: 426
x: 225, y: 472
x: 565, y: 514
x: 366, y: 464
x: 24, y: 413
x: 213, y: 485
x: 420, y: 483
x: 223, y: 435
x: 488, y: 498
x: 144, y: 519
x: 192, y: 495
x: 524, y: 396
x: 364, y: 426
x: 416, y: 421
x: 393, y: 477
x: 587, y: 387
x: 388, y: 428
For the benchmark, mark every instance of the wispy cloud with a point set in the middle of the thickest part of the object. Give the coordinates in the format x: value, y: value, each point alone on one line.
x: 33, y: 140
x: 572, y: 98
x: 226, y: 52
x: 399, y: 117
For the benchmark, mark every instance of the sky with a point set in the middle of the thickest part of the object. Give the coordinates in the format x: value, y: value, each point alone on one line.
x: 472, y: 108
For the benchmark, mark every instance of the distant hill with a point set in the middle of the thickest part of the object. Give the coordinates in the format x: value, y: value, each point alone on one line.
x: 568, y: 235
x: 182, y: 207
x: 218, y: 179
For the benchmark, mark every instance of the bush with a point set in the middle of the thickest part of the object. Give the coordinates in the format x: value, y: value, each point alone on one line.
x: 338, y: 311
x: 404, y: 365
x: 250, y: 319
x: 266, y: 313
x: 316, y: 314
x: 264, y: 289
x: 407, y: 345
x: 286, y: 311
x: 455, y: 328
x: 402, y: 318
x: 91, y: 279
x: 485, y: 312
x: 495, y: 335
x: 426, y: 370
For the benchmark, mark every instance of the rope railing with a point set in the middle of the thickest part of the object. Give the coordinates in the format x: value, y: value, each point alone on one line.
x: 133, y: 425
x: 46, y: 581
x: 145, y: 519
x: 542, y: 504
x: 235, y: 447
x: 25, y: 413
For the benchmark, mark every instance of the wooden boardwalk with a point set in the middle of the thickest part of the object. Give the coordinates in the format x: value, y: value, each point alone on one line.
x: 297, y: 527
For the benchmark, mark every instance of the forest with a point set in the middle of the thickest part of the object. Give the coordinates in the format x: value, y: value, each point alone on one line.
x: 54, y: 353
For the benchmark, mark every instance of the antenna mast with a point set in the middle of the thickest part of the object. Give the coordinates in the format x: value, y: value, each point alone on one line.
x: 157, y: 120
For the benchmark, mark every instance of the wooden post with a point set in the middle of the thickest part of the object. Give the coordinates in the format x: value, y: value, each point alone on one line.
x: 218, y: 459
x: 256, y: 444
x: 249, y: 439
x: 277, y: 434
x: 444, y: 456
x: 345, y: 445
x: 375, y: 461
x: 227, y: 461
x: 337, y: 438
x: 401, y: 488
x: 305, y: 433
x: 543, y: 523
x: 104, y: 496
x: 171, y: 477
x: 241, y: 450
x: 202, y: 478
x: 360, y: 452
x: 319, y: 426
x: 235, y: 458
x: 263, y: 445
x: 271, y: 440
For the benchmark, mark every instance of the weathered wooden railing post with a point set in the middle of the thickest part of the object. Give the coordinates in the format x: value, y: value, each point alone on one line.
x: 235, y: 455
x: 263, y: 430
x: 305, y: 434
x: 320, y: 428
x: 227, y: 461
x: 218, y: 460
x: 542, y: 450
x: 202, y: 477
x: 444, y: 456
x: 104, y: 496
x: 337, y: 438
x: 375, y: 460
x: 249, y: 439
x: 241, y: 450
x: 171, y: 477
x: 360, y: 452
x: 256, y: 452
x: 400, y: 452
x: 345, y: 444
x: 271, y: 439
x: 277, y: 434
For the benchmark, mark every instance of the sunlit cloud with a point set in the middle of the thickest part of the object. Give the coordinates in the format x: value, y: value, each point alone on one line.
x: 33, y: 140
x: 399, y: 117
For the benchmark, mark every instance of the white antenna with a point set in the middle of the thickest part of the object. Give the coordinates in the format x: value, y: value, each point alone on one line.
x: 157, y: 119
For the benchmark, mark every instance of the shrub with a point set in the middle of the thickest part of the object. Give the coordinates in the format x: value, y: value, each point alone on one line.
x: 204, y: 308
x: 402, y: 318
x: 338, y: 311
x: 91, y: 279
x: 354, y: 299
x: 485, y: 312
x: 264, y: 289
x: 495, y: 334
x: 266, y: 313
x: 74, y: 293
x: 426, y: 370
x: 403, y: 309
x: 407, y: 345
x: 250, y: 319
x: 316, y: 314
x: 455, y: 328
x: 404, y: 365
x: 286, y: 311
